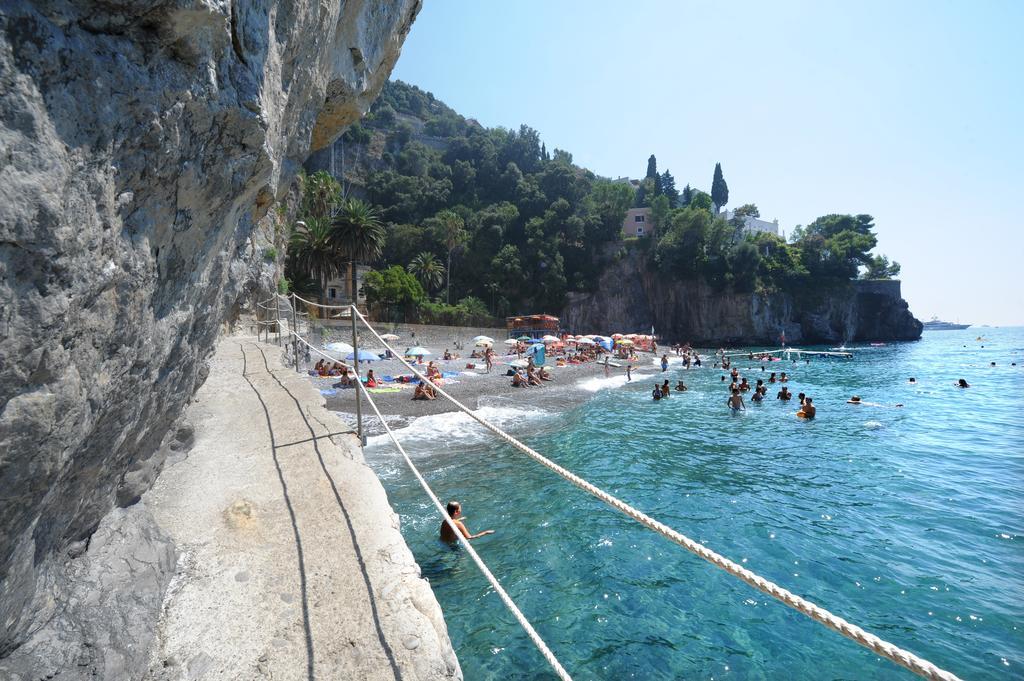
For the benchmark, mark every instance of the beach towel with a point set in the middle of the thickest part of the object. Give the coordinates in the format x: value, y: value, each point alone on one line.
x: 328, y: 392
x: 393, y: 389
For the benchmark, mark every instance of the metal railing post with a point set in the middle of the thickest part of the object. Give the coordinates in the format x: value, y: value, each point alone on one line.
x: 277, y: 309
x: 295, y: 333
x: 355, y: 365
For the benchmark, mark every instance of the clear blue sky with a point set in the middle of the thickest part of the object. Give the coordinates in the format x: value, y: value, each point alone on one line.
x: 910, y: 111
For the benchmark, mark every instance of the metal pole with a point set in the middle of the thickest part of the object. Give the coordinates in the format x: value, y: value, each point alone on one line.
x: 355, y: 364
x: 295, y: 333
x: 277, y: 309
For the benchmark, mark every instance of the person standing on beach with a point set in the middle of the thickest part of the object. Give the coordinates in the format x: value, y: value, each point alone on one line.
x: 455, y: 513
x: 489, y: 359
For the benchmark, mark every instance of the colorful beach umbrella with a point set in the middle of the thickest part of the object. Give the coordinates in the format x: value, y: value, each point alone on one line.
x: 339, y: 348
x: 364, y: 356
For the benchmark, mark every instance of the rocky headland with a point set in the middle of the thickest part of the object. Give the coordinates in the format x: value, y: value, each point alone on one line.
x: 142, y: 148
x: 633, y: 298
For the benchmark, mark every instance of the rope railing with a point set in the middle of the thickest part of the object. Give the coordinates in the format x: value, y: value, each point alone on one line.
x: 542, y: 647
x: 890, y: 651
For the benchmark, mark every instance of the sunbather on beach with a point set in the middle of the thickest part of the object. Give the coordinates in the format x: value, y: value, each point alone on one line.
x: 424, y: 392
x: 543, y: 374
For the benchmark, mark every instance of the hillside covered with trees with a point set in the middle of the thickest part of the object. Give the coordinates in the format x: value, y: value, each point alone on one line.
x: 490, y: 220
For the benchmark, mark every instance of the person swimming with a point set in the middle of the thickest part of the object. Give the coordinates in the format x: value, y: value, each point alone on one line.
x: 656, y: 393
x: 962, y: 383
x: 784, y: 394
x: 681, y: 387
x: 801, y: 397
x: 912, y: 380
x: 783, y: 378
x: 665, y: 389
x: 455, y: 513
x: 744, y: 386
x: 771, y: 379
x: 808, y: 410
x: 735, y: 401
x: 664, y: 362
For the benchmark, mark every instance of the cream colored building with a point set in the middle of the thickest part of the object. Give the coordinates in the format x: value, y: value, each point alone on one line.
x: 637, y: 223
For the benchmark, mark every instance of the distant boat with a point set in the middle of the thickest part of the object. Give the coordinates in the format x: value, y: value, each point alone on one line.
x: 934, y: 324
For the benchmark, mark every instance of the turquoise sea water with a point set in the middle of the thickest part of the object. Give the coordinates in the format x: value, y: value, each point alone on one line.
x: 908, y: 521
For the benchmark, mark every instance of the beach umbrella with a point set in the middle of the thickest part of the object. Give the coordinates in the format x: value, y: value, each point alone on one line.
x: 585, y: 341
x: 417, y: 351
x: 519, y: 363
x: 390, y: 337
x: 617, y: 336
x: 364, y: 356
x: 602, y: 339
x: 511, y: 341
x: 625, y: 341
x: 524, y: 338
x: 550, y: 339
x: 339, y: 348
x: 483, y: 339
x: 484, y: 343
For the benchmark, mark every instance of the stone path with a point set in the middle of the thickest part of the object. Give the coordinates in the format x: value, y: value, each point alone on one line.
x: 292, y: 565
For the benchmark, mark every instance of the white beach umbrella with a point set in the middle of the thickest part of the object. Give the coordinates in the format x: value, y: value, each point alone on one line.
x: 551, y: 339
x: 483, y: 339
x: 511, y: 341
x: 585, y: 341
x: 519, y: 363
x: 339, y: 347
x: 390, y: 337
x: 417, y: 351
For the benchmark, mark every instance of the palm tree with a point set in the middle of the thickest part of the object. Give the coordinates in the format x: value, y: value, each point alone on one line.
x: 315, y: 251
x: 452, y: 229
x: 321, y: 194
x: 428, y: 269
x: 358, y: 234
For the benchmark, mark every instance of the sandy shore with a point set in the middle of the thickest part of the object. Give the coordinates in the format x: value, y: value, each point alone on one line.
x: 472, y: 386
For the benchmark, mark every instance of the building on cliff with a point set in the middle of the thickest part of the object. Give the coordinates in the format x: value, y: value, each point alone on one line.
x: 752, y: 225
x: 637, y: 222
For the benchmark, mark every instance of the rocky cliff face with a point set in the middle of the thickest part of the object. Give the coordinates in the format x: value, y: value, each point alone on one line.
x: 141, y: 143
x: 632, y: 299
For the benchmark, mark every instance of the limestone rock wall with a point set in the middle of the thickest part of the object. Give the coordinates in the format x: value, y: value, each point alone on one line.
x: 632, y: 299
x: 141, y: 142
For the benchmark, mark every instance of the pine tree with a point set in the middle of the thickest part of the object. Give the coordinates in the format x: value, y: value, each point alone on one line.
x: 652, y: 167
x: 668, y: 188
x: 687, y: 195
x: 719, y: 189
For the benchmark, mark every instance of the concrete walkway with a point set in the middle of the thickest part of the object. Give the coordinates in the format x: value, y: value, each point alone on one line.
x: 292, y: 565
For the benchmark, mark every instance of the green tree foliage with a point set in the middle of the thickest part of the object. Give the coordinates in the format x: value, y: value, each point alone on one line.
x: 428, y: 270
x: 686, y: 196
x: 393, y: 288
x: 719, y: 189
x: 652, y: 167
x: 668, y: 188
x: 313, y: 251
x: 701, y: 200
x: 879, y: 267
x: 358, y: 234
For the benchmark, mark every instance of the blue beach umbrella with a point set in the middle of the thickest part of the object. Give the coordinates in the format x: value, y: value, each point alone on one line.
x: 364, y: 356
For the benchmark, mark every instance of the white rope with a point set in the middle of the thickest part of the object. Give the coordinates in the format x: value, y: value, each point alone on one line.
x: 326, y: 307
x: 509, y: 603
x: 851, y: 631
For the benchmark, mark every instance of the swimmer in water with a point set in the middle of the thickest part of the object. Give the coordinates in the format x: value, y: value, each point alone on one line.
x: 735, y: 402
x: 664, y: 362
x: 656, y: 393
x: 783, y: 378
x: 801, y: 397
x: 771, y: 379
x: 744, y: 386
x: 455, y: 513
x: 807, y: 411
x: 912, y: 380
x: 784, y: 394
x: 681, y: 387
x: 665, y: 390
x: 962, y: 383
x: 758, y: 396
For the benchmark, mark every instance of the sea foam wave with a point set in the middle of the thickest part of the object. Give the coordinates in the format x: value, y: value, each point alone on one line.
x: 456, y: 429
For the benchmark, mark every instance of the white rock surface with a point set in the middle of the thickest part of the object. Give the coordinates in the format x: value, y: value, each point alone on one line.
x: 140, y: 143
